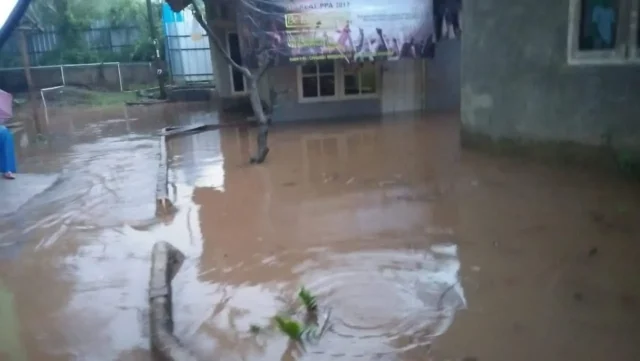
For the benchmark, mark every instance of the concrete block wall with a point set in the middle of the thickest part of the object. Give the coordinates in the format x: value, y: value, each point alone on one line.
x: 90, y: 76
x: 443, y: 77
x: 516, y: 81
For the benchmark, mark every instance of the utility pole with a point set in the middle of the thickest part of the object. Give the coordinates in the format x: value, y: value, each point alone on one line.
x: 160, y: 69
x: 24, y: 52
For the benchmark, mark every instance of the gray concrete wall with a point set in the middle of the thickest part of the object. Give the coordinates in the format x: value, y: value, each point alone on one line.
x: 443, y: 77
x: 516, y: 82
x: 91, y: 76
x: 220, y: 65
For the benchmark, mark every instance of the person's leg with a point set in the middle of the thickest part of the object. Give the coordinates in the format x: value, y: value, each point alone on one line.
x: 7, y: 153
x: 455, y: 22
x: 438, y: 18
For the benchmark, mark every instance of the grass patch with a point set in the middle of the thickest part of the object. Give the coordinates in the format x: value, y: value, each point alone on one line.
x: 83, y: 98
x: 103, y: 99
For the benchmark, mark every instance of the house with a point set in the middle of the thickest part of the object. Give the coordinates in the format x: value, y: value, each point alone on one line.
x: 325, y: 69
x: 561, y: 70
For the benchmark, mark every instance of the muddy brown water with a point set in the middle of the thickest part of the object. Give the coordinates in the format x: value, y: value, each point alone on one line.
x: 421, y: 251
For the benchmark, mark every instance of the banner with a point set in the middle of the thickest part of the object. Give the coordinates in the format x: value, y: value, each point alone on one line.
x: 296, y: 31
x: 6, y: 106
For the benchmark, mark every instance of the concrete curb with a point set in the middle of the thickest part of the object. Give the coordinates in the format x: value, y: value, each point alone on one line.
x: 164, y: 206
x: 166, y: 259
x: 165, y: 263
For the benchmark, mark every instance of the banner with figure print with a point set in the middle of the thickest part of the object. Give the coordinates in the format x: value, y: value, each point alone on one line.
x: 296, y: 31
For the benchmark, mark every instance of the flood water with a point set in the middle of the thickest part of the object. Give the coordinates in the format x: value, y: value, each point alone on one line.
x: 420, y: 250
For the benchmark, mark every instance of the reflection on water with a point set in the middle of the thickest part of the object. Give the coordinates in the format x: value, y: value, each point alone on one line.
x: 420, y: 256
x: 11, y: 347
x: 197, y: 160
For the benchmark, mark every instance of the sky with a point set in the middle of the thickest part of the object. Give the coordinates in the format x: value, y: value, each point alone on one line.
x: 6, y: 6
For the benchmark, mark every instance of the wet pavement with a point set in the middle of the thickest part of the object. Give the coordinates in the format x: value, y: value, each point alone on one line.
x: 422, y: 252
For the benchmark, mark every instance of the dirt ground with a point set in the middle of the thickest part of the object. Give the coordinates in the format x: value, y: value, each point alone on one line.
x: 422, y: 251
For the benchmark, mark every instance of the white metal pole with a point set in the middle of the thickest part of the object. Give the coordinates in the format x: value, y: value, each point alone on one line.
x: 120, y: 78
x: 44, y: 104
x: 62, y: 73
x: 44, y: 101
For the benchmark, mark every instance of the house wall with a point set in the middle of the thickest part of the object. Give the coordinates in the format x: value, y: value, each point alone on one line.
x: 220, y: 65
x: 402, y: 87
x: 283, y: 81
x: 516, y: 81
x: 443, y: 77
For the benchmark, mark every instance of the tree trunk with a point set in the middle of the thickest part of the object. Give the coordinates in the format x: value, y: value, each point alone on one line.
x: 24, y: 52
x: 165, y: 263
x: 263, y: 121
x: 252, y: 78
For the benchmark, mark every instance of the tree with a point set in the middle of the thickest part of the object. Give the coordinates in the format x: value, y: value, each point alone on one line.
x: 265, y: 56
x: 71, y: 18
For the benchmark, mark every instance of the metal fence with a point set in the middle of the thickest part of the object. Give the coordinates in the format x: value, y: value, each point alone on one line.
x: 188, y: 56
x: 116, y: 44
x: 189, y: 61
x: 187, y: 48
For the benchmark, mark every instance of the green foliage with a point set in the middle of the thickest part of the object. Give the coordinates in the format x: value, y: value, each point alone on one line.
x: 629, y: 163
x: 308, y: 300
x: 72, y: 18
x: 290, y: 327
x: 309, y: 330
x: 126, y: 12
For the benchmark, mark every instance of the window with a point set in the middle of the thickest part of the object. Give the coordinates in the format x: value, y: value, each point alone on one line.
x: 603, y: 31
x: 329, y: 80
x: 360, y: 80
x: 318, y: 80
x: 598, y: 25
x: 635, y: 30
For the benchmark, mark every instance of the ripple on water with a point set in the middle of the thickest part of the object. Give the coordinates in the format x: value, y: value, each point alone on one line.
x: 386, y: 301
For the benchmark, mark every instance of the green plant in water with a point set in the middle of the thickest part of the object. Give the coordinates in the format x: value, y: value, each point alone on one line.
x: 290, y: 327
x: 308, y: 300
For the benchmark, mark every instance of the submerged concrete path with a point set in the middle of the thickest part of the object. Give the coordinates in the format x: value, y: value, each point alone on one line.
x: 16, y: 193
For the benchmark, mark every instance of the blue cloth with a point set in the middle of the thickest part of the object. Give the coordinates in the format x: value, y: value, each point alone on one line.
x: 7, y: 151
x: 168, y: 16
x: 604, y: 17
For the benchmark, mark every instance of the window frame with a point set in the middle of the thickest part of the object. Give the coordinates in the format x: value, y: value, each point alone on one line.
x: 634, y: 25
x: 625, y: 50
x: 339, y: 72
x: 360, y: 95
x: 318, y: 74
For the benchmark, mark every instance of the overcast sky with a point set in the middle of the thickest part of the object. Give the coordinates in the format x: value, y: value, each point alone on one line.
x: 5, y: 9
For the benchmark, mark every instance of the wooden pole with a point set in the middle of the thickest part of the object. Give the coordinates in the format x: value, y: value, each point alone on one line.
x: 27, y: 73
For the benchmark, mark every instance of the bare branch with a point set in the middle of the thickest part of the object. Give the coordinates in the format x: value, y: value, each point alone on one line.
x: 216, y: 41
x: 264, y: 66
